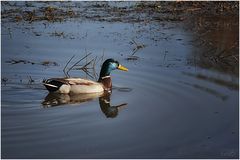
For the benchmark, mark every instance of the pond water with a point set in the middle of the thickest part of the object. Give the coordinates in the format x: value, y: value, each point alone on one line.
x: 165, y: 106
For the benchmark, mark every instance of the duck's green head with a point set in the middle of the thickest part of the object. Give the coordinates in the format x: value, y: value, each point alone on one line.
x: 110, y: 65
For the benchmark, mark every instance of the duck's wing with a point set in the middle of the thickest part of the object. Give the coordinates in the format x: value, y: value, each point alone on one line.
x: 68, y: 81
x: 79, y: 85
x: 79, y: 81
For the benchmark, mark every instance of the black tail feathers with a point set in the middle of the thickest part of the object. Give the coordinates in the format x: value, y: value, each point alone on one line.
x: 52, y: 85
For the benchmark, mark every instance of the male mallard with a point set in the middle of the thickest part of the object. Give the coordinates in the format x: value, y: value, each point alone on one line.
x: 79, y: 85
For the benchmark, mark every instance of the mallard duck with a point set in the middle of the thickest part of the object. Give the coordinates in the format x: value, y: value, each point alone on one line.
x: 79, y: 85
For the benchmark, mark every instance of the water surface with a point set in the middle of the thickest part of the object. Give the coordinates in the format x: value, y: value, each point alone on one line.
x: 166, y: 106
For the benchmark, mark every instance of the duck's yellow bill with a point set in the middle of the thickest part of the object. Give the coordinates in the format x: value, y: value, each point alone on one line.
x: 120, y: 67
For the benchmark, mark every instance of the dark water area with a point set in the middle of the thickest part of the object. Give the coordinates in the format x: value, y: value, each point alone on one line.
x: 179, y: 99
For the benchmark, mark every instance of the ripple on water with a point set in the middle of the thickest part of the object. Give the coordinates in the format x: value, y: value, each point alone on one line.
x: 168, y: 112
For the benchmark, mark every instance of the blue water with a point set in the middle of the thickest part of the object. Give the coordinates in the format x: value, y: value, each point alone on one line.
x: 168, y: 111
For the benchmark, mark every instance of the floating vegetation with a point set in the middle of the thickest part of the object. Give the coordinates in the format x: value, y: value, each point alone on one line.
x: 137, y: 46
x: 49, y: 63
x: 132, y: 58
x: 44, y: 63
x: 4, y: 80
x: 19, y: 61
x: 155, y: 11
x: 36, y: 34
x: 58, y: 34
x: 49, y: 13
x: 28, y: 16
x: 62, y: 34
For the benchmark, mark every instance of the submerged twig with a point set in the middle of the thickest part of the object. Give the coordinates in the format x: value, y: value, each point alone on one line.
x: 30, y: 80
x: 79, y: 61
x: 132, y: 58
x: 94, y: 71
x: 137, y: 46
x: 88, y: 67
x: 10, y: 33
x: 64, y: 69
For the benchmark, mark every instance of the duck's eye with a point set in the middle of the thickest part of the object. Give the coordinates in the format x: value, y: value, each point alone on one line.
x: 113, y: 65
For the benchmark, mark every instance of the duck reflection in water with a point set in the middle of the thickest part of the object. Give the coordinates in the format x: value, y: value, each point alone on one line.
x: 57, y: 99
x: 107, y: 109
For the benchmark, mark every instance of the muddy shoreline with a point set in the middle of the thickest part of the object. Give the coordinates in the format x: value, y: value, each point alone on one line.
x: 114, y: 12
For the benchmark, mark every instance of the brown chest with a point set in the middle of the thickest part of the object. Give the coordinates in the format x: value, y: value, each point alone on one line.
x: 107, y: 83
